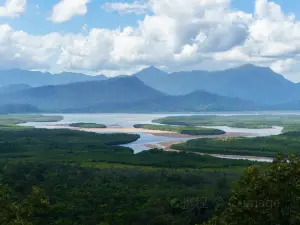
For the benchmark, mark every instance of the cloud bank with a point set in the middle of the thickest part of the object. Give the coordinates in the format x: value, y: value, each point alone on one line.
x: 175, y: 35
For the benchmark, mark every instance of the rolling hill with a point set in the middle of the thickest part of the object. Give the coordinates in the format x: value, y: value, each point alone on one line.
x: 13, y: 88
x: 18, y: 109
x: 83, y: 94
x: 198, y: 101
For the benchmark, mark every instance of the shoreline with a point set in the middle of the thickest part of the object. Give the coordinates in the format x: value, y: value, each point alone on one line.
x: 167, y: 147
x: 171, y: 134
x: 113, y: 130
x: 226, y: 135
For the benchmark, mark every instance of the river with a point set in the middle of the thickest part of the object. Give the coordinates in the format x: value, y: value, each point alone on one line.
x: 123, y: 123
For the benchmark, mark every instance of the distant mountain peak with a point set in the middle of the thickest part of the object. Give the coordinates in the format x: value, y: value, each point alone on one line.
x: 152, y: 69
x: 248, y: 65
x: 252, y: 66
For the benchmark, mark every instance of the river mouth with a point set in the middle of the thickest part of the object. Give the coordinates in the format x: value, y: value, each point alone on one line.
x: 123, y: 123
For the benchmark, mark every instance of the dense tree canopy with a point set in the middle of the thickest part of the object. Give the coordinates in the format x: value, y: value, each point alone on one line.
x: 39, y: 193
x: 265, y: 195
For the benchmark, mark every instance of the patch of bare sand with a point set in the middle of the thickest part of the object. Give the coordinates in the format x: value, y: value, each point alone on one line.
x: 177, y: 135
x: 113, y: 129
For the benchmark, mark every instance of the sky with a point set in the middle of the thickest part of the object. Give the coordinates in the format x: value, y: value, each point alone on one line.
x: 116, y: 37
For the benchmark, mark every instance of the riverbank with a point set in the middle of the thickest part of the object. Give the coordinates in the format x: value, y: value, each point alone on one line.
x: 115, y: 130
x: 151, y: 138
x: 172, y: 134
x: 167, y: 146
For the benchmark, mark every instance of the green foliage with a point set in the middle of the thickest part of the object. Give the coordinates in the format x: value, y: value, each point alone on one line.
x: 160, y: 159
x: 62, y: 145
x: 87, y: 125
x: 189, y: 130
x: 69, y: 194
x: 28, y: 210
x: 287, y: 143
x: 265, y: 195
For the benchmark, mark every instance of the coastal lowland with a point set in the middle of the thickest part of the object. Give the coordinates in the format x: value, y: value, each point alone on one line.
x: 68, y: 175
x: 73, y: 176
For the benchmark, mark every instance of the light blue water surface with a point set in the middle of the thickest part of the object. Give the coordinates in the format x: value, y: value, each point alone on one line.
x: 126, y: 120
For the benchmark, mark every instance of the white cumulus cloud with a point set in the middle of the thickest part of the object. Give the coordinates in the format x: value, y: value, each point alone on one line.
x: 66, y: 9
x: 12, y: 8
x: 176, y: 35
x: 136, y: 7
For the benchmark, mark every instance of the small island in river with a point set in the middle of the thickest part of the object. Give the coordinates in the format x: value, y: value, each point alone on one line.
x: 188, y: 130
x: 87, y: 125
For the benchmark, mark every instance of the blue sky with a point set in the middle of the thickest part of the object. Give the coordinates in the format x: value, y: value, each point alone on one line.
x: 289, y: 6
x: 124, y: 36
x: 35, y: 20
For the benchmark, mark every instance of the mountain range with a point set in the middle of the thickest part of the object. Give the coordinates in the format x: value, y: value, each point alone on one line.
x: 36, y: 78
x: 198, y: 101
x: 151, y: 90
x: 249, y: 82
x: 13, y: 88
x: 83, y: 94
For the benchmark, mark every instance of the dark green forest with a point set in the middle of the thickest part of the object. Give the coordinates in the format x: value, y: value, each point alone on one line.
x: 40, y: 193
x: 265, y: 195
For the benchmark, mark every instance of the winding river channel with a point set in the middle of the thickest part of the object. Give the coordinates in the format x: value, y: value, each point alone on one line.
x: 123, y: 123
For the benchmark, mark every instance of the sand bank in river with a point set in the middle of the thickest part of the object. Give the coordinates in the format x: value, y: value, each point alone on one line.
x: 113, y: 130
x: 141, y: 130
x: 177, y: 135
